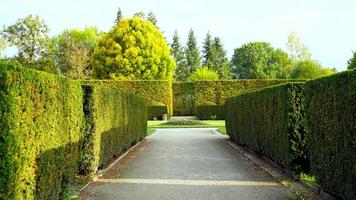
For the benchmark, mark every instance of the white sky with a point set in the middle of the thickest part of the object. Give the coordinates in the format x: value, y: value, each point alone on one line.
x: 327, y: 27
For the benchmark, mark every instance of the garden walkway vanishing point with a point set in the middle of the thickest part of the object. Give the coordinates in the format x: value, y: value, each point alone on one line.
x: 186, y: 164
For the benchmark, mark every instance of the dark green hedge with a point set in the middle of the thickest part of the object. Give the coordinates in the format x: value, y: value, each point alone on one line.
x: 152, y: 91
x: 270, y: 121
x: 184, y: 98
x: 211, y: 112
x: 331, y: 120
x: 116, y: 120
x: 41, y: 122
x: 156, y: 111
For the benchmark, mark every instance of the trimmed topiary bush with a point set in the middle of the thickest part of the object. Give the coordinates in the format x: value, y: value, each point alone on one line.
x: 331, y: 120
x: 41, y: 122
x: 156, y: 110
x: 115, y: 121
x: 271, y: 121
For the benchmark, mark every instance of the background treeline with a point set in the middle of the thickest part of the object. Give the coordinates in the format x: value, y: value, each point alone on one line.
x: 128, y: 52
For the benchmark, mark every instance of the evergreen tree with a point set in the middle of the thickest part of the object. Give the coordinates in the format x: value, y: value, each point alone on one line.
x: 208, y: 51
x: 192, y: 52
x: 352, y: 62
x: 177, y: 51
x: 119, y: 16
x: 152, y: 18
x: 220, y: 62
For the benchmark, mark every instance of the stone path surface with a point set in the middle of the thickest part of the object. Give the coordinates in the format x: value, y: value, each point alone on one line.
x: 186, y: 164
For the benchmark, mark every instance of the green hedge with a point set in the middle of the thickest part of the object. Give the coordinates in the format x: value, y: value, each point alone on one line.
x: 152, y: 91
x: 218, y: 91
x: 183, y: 98
x: 331, y: 120
x: 41, y: 122
x: 270, y: 121
x: 116, y: 120
x: 211, y: 112
x: 156, y: 111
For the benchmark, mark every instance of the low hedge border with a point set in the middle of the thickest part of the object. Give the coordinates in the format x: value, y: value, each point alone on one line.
x: 271, y: 121
x: 156, y: 112
x: 331, y: 120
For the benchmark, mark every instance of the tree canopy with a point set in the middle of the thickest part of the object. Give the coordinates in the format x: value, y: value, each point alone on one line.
x: 309, y: 69
x: 133, y: 49
x: 259, y: 60
x: 204, y: 73
x: 192, y: 52
x: 72, y: 51
x: 29, y: 36
x: 352, y: 62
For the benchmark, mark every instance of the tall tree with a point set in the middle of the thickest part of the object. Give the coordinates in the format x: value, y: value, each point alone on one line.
x: 192, y: 52
x: 352, y: 62
x: 297, y: 50
x: 181, y: 72
x: 72, y: 51
x: 133, y: 50
x: 29, y: 35
x: 119, y: 15
x: 259, y: 60
x: 221, y: 63
x: 208, y: 52
x: 152, y: 18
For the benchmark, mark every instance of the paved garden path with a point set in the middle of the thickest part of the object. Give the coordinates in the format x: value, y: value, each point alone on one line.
x: 186, y: 164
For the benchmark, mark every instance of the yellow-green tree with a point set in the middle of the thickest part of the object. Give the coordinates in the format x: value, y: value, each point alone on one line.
x: 133, y: 50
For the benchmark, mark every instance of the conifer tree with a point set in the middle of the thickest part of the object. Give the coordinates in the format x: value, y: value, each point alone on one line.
x: 177, y: 51
x: 192, y: 52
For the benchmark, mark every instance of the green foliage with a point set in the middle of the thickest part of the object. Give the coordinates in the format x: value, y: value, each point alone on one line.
x: 156, y: 110
x: 181, y: 72
x: 210, y: 112
x: 298, y: 51
x: 2, y: 46
x: 72, y: 51
x: 309, y: 69
x: 352, y: 62
x: 218, y: 91
x: 115, y: 120
x: 133, y: 50
x: 259, y: 60
x: 331, y: 126
x: 271, y: 121
x: 192, y: 52
x: 41, y: 125
x: 214, y: 57
x: 183, y: 98
x: 119, y: 16
x: 204, y: 73
x: 152, y: 91
x: 29, y: 35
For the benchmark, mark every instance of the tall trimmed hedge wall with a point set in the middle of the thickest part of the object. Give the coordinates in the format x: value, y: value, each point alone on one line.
x: 331, y: 120
x: 41, y: 122
x: 115, y: 121
x: 187, y: 96
x: 270, y: 121
x: 153, y: 91
x: 184, y: 98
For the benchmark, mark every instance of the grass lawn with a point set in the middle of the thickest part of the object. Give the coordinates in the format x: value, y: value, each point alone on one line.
x: 220, y: 124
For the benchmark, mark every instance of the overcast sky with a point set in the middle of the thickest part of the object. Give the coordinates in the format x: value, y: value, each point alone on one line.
x: 326, y: 27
